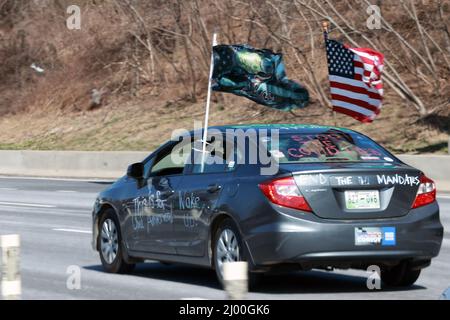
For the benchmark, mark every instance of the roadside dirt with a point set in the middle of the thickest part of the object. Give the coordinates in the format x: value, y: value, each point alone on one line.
x: 145, y: 123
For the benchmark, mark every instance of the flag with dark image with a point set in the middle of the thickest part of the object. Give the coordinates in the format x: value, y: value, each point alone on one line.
x: 355, y: 80
x: 257, y: 74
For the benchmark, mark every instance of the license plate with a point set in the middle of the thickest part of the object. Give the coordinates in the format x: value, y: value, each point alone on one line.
x: 367, y: 199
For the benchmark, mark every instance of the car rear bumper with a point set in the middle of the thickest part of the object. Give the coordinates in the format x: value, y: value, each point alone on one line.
x: 305, y: 239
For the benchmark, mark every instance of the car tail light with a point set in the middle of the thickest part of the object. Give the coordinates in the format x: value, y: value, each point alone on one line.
x: 426, y: 193
x: 284, y: 192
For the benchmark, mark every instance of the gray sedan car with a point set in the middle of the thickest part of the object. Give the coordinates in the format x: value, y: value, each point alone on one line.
x: 336, y: 199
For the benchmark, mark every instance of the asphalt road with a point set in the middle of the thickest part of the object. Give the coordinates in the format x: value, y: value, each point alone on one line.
x: 53, y: 218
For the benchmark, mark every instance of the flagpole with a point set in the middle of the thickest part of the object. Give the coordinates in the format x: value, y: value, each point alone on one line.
x: 325, y: 36
x: 208, y: 100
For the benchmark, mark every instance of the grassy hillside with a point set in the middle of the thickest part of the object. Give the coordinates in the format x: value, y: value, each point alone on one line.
x: 149, y: 60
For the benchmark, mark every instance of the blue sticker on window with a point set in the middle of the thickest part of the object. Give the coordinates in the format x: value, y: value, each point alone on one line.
x: 389, y: 237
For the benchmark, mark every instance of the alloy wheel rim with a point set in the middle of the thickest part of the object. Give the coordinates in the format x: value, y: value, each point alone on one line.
x: 109, y: 241
x: 227, y: 249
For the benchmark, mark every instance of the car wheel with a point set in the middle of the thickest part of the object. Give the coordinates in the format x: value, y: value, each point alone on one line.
x: 228, y: 247
x: 110, y: 244
x: 401, y: 275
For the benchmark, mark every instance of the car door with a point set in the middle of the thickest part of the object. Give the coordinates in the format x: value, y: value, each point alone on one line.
x: 132, y: 227
x: 151, y: 210
x: 199, y: 193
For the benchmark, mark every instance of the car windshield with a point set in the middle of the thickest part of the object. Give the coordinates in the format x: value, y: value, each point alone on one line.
x: 334, y: 146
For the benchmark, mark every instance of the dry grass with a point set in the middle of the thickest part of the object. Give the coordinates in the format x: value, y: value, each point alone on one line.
x: 144, y: 102
x: 143, y: 125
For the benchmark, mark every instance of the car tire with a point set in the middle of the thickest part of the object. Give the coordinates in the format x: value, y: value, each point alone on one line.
x: 254, y: 279
x: 401, y: 275
x: 110, y: 244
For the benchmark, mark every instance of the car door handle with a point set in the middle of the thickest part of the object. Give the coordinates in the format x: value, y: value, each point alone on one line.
x: 214, y: 188
x: 166, y: 193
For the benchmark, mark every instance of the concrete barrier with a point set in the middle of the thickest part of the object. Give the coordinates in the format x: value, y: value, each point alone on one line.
x: 436, y: 167
x: 74, y: 164
x: 111, y: 164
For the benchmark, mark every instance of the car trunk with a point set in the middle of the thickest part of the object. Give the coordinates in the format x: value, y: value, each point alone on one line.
x: 357, y: 190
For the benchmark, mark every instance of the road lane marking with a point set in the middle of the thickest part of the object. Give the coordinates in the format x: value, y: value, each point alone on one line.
x: 59, y: 179
x: 72, y: 230
x: 28, y: 224
x: 193, y: 298
x: 9, y: 189
x: 66, y: 191
x: 56, y: 212
x: 443, y: 197
x: 21, y: 204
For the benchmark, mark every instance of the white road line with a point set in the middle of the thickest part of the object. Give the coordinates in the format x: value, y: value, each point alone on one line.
x: 58, y: 179
x: 193, y: 298
x: 22, y: 224
x: 72, y: 230
x: 9, y: 189
x: 443, y: 197
x: 67, y: 191
x: 21, y: 204
x: 57, y: 212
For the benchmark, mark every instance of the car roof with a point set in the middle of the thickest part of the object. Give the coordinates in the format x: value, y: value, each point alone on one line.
x: 283, y: 128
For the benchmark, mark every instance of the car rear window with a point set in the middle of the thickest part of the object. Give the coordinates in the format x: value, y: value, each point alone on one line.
x: 327, y: 147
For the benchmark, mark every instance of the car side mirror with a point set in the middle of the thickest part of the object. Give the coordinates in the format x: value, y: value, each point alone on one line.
x: 136, y: 170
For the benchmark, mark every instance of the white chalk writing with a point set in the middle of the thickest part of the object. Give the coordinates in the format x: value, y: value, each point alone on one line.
x: 153, y: 207
x: 191, y: 202
x: 343, y: 181
x: 313, y: 179
x: 398, y: 179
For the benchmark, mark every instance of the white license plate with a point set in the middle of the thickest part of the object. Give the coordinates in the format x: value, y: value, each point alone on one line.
x: 364, y: 199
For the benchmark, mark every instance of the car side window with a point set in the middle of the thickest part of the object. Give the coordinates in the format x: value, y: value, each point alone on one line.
x: 215, y: 161
x: 165, y: 164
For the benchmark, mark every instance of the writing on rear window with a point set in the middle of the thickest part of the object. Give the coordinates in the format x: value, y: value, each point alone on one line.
x: 328, y: 147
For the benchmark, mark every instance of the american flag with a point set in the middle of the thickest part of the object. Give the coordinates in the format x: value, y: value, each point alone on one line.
x: 355, y: 80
